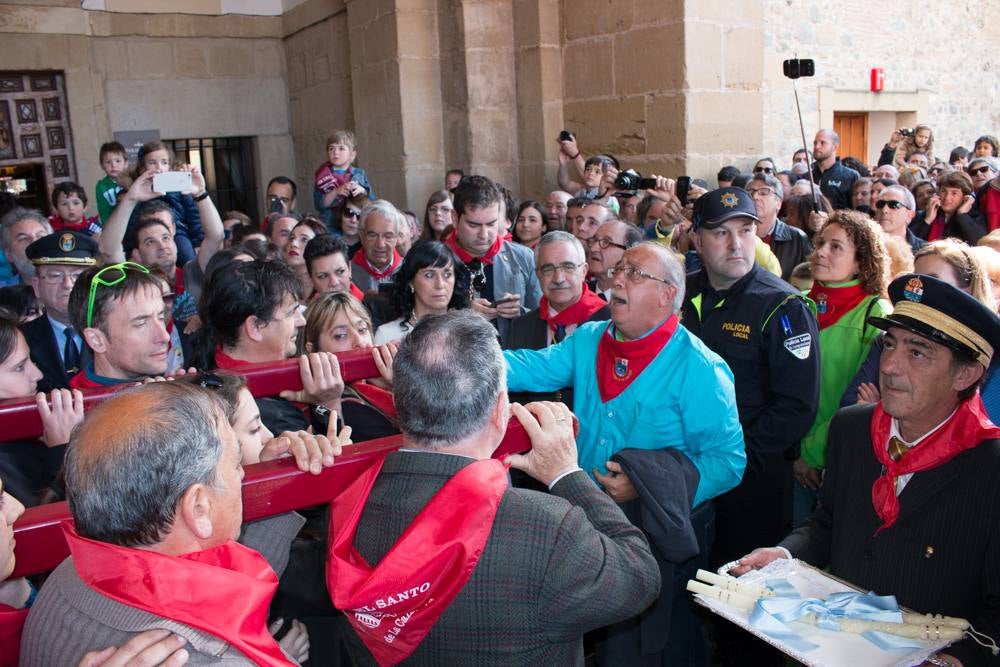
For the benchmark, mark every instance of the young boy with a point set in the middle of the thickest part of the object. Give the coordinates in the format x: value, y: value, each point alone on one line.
x: 113, y: 161
x: 70, y: 201
x: 337, y: 179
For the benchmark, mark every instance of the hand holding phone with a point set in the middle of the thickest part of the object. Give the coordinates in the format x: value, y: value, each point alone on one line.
x: 172, y: 181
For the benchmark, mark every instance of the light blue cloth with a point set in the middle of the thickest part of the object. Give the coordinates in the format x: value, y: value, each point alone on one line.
x: 684, y: 399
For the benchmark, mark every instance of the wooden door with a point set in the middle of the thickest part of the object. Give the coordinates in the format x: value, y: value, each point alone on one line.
x: 852, y: 126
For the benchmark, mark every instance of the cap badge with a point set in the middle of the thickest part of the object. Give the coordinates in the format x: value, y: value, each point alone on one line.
x: 729, y: 200
x: 914, y: 290
x: 67, y: 242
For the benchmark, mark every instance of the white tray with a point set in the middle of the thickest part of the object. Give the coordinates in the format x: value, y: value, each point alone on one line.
x: 835, y: 649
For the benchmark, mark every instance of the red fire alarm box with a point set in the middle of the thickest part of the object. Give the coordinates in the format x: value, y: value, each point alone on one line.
x: 878, y: 79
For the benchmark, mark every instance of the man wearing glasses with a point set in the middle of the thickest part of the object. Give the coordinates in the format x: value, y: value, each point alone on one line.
x: 607, y: 246
x: 281, y: 192
x: 377, y: 261
x: 894, y: 210
x: 790, y: 245
x: 652, y: 400
x: 56, y: 345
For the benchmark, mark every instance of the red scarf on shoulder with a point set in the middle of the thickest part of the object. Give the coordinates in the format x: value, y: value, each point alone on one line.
x: 393, y: 605
x: 619, y: 362
x: 588, y: 304
x: 362, y: 261
x: 11, y: 625
x: 376, y: 397
x: 969, y: 426
x: 225, y: 591
x: 833, y: 302
x: 451, y: 241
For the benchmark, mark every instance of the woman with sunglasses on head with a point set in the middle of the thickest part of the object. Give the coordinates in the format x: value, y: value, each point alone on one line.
x: 850, y: 269
x: 337, y: 322
x: 431, y: 281
x: 28, y: 468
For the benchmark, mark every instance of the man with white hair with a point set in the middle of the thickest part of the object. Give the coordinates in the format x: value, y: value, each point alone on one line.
x: 19, y: 228
x: 658, y: 426
x: 894, y: 211
x: 377, y: 261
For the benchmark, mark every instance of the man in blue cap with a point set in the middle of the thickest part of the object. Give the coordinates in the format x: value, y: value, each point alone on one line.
x: 56, y: 346
x: 910, y: 502
x: 767, y: 332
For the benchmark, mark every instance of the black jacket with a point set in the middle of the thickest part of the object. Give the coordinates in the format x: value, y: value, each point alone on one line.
x: 965, y: 226
x: 47, y: 356
x: 790, y: 245
x: 836, y: 183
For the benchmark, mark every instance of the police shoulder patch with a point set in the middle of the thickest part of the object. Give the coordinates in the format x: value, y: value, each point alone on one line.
x: 799, y: 345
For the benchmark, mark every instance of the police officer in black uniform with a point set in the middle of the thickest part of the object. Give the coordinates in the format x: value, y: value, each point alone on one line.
x: 767, y: 333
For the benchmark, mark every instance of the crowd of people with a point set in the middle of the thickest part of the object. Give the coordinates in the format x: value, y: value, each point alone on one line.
x: 793, y: 363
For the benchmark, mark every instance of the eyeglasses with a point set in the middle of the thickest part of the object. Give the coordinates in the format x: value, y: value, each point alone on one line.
x: 283, y: 200
x: 388, y: 237
x: 985, y: 169
x: 98, y: 280
x: 604, y: 242
x: 763, y: 170
x: 891, y: 203
x: 351, y: 213
x: 56, y: 277
x: 634, y: 274
x: 549, y: 269
x: 761, y: 192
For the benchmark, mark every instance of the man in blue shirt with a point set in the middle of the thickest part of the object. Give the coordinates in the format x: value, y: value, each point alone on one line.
x: 643, y: 382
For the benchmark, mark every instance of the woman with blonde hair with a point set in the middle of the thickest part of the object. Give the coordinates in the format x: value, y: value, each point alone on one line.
x: 850, y: 268
x: 955, y: 262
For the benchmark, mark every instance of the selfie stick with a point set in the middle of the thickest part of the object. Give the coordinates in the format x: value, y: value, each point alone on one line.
x: 802, y: 128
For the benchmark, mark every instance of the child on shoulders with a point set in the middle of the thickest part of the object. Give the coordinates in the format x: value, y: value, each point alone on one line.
x: 337, y: 179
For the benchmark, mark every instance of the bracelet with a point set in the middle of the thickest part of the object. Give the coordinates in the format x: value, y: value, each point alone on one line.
x: 573, y: 157
x: 202, y: 197
x: 936, y: 659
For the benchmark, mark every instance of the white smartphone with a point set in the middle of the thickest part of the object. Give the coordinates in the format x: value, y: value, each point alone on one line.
x: 172, y: 181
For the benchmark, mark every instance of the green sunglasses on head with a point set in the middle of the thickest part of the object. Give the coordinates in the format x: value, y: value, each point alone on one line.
x: 98, y: 280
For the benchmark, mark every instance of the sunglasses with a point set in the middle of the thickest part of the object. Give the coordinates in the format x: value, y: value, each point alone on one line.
x: 894, y: 205
x: 763, y: 170
x: 981, y: 170
x: 351, y: 213
x: 99, y: 280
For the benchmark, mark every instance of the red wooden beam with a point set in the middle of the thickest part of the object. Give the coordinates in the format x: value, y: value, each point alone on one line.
x: 19, y: 419
x: 269, y: 488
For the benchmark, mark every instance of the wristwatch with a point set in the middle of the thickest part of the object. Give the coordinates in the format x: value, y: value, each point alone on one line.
x: 939, y: 661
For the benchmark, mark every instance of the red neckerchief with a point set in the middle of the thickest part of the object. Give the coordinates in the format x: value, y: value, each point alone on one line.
x: 936, y: 232
x: 357, y: 293
x: 11, y: 625
x: 227, y: 363
x: 588, y: 304
x: 59, y: 225
x: 328, y: 179
x: 178, y: 281
x: 376, y: 397
x: 969, y: 426
x: 362, y: 261
x: 832, y: 303
x: 394, y: 605
x: 224, y: 591
x: 619, y: 362
x: 451, y: 240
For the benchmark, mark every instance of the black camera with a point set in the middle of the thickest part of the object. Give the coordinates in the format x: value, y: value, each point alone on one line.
x: 906, y: 131
x: 795, y: 68
x: 565, y: 135
x: 633, y: 180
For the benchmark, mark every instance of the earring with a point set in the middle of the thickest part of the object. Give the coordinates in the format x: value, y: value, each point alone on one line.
x: 412, y: 290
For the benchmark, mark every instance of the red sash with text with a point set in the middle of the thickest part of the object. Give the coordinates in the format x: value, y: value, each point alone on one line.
x: 393, y: 605
x: 619, y: 362
x: 224, y: 591
x: 11, y: 625
x: 362, y: 261
x: 588, y: 304
x: 969, y: 426
x: 327, y: 179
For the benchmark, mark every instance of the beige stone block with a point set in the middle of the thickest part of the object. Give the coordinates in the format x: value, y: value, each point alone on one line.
x: 645, y: 12
x: 530, y: 135
x: 419, y: 86
x: 360, y: 13
x: 173, y: 25
x: 615, y: 125
x: 665, y: 131
x: 552, y: 123
x: 41, y: 20
x: 24, y: 51
x: 491, y: 137
x: 551, y: 65
x: 723, y: 11
x: 704, y: 53
x: 110, y: 57
x: 529, y: 79
x: 127, y: 24
x: 423, y: 139
x: 268, y: 58
x: 378, y: 40
x: 418, y: 34
x: 249, y: 26
x: 309, y: 13
x: 727, y: 122
x: 527, y: 24
x: 490, y: 76
x: 649, y: 60
x: 318, y: 70
x: 549, y: 22
x: 369, y: 91
x: 189, y: 59
x: 488, y: 24
x: 150, y: 58
x: 531, y: 177
x: 588, y: 69
x: 744, y: 57
x: 415, y: 5
x: 296, y: 72
x: 588, y: 18
x: 420, y: 183
x: 230, y: 58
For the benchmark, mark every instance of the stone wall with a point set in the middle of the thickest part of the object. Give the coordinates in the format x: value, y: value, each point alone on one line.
x: 174, y: 73
x: 941, y: 62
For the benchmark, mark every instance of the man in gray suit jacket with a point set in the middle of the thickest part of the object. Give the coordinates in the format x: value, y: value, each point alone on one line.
x: 909, y: 504
x: 504, y: 285
x: 498, y: 576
